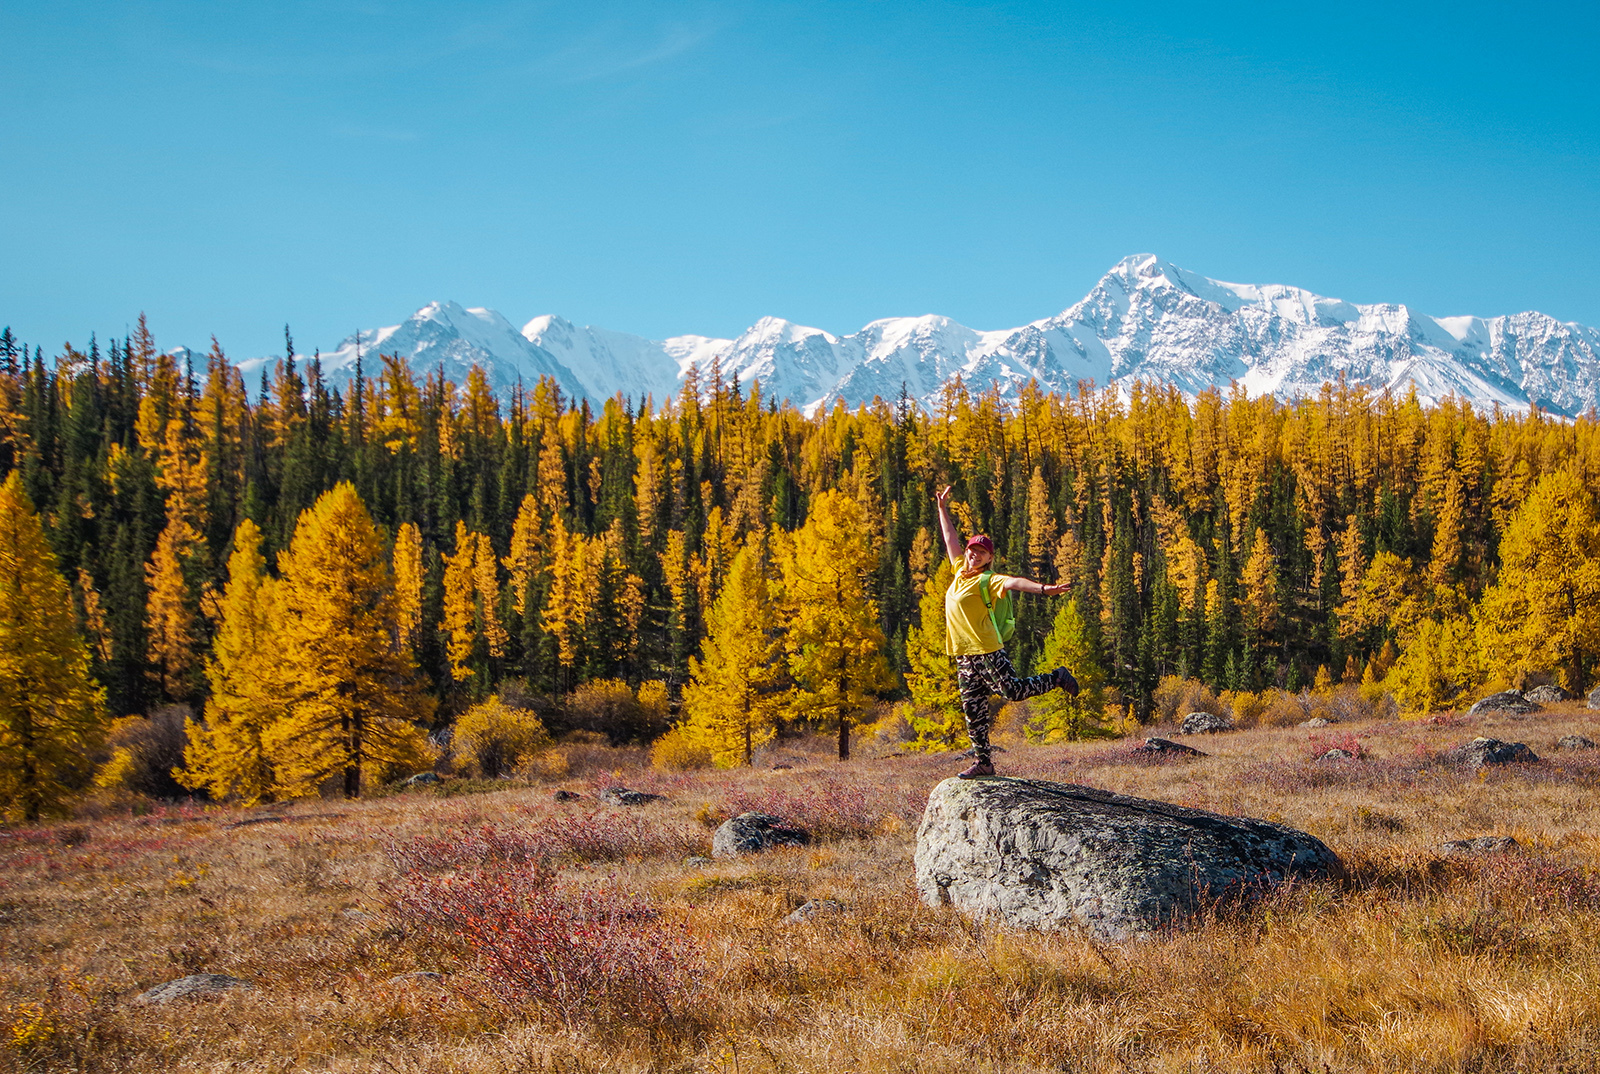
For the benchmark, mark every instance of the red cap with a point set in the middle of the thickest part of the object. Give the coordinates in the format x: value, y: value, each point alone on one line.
x: 981, y: 541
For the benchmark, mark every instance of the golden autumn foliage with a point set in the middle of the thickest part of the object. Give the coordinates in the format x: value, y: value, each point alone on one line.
x: 492, y: 738
x: 352, y: 692
x: 51, y: 712
x: 408, y: 583
x: 934, y: 712
x: 1543, y: 613
x: 734, y: 694
x: 835, y: 646
x: 170, y: 619
x: 227, y: 754
x: 471, y: 603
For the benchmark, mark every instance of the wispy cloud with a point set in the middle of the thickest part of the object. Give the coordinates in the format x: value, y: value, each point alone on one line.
x: 609, y: 52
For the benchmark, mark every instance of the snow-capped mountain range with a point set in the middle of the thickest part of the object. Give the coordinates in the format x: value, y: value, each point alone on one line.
x: 1146, y: 320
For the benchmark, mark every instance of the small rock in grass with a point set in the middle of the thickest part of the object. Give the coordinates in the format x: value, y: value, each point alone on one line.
x: 417, y: 977
x: 566, y: 796
x: 814, y: 909
x: 753, y: 833
x: 1486, y: 751
x: 1483, y: 844
x: 1510, y: 701
x: 622, y: 796
x: 1574, y: 742
x: 1317, y: 721
x: 1337, y: 754
x: 1547, y: 695
x: 196, y: 984
x: 1165, y: 747
x: 782, y: 767
x: 1204, y: 723
x: 355, y: 915
x: 697, y: 861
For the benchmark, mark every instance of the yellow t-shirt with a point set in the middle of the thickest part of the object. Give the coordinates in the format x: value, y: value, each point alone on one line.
x: 968, y: 630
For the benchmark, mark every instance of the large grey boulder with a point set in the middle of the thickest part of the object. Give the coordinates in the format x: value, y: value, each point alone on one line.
x: 1491, y: 751
x: 1204, y: 723
x: 1035, y: 854
x: 196, y: 984
x: 1594, y: 698
x: 752, y: 833
x: 1546, y: 695
x: 1505, y: 701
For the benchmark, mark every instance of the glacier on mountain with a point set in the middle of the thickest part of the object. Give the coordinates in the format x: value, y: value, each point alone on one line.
x: 1145, y: 321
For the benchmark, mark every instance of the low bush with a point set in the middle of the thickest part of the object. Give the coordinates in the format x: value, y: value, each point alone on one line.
x: 1174, y: 698
x: 492, y: 738
x: 595, y: 955
x: 677, y: 751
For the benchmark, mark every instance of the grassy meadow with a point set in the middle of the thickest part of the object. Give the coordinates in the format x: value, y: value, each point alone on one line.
x: 490, y: 928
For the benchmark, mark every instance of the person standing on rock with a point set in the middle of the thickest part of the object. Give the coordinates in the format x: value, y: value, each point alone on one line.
x: 982, y: 665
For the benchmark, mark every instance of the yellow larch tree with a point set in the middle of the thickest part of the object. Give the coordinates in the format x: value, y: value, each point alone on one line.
x: 1260, y: 581
x: 226, y: 754
x: 352, y: 691
x: 836, y: 648
x: 170, y: 614
x: 51, y: 713
x: 472, y: 603
x: 527, y: 552
x: 1543, y: 612
x: 408, y: 578
x: 934, y: 711
x: 733, y: 697
x: 1041, y: 525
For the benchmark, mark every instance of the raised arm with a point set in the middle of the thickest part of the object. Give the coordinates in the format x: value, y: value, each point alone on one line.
x: 947, y: 528
x: 1028, y: 585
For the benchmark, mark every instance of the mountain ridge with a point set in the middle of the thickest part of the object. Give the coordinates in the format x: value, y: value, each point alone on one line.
x: 1145, y: 320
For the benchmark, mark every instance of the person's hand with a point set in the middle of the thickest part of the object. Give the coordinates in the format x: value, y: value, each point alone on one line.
x: 942, y: 497
x: 1057, y: 589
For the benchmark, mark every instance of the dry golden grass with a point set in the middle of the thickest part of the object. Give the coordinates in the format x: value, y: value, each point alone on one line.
x: 1414, y: 962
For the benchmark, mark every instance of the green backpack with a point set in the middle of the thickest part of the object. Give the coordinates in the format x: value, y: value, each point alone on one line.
x: 1001, y: 612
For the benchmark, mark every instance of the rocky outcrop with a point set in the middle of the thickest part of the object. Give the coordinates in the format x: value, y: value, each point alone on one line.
x: 1167, y: 749
x: 1204, y: 723
x: 622, y: 796
x: 1511, y: 701
x: 752, y: 833
x: 1546, y: 695
x: 1574, y: 742
x: 1491, y: 751
x: 1035, y: 854
x: 194, y: 985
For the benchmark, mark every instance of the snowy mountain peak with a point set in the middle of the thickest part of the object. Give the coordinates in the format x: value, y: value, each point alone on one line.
x: 1145, y: 320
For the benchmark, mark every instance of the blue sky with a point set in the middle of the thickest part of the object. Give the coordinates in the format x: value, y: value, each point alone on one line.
x: 667, y: 168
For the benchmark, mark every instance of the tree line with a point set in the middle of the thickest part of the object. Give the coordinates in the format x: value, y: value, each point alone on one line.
x: 729, y: 546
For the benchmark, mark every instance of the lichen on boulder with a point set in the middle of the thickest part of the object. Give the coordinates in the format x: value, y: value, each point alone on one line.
x: 1037, y: 854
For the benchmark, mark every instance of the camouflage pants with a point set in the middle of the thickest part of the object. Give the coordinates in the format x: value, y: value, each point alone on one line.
x: 992, y: 673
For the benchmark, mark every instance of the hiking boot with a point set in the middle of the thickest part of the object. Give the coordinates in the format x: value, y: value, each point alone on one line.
x: 1065, y: 681
x: 981, y: 767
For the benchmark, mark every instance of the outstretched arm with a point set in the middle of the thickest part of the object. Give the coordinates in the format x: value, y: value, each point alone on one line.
x: 947, y: 527
x: 1028, y: 585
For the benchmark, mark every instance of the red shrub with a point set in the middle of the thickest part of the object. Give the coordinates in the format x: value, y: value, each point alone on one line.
x: 593, y: 954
